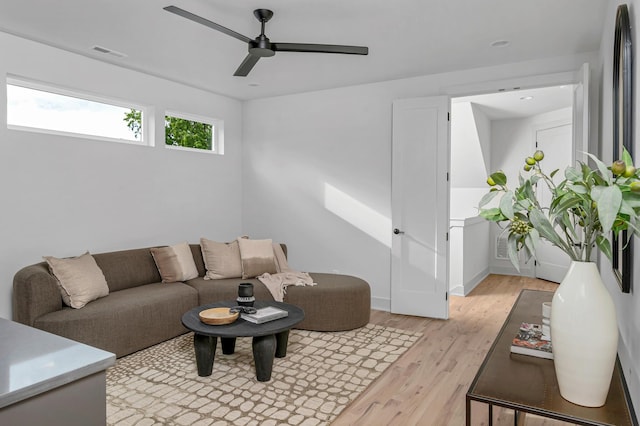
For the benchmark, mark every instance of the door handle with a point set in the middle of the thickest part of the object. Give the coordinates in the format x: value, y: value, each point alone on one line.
x: 397, y: 231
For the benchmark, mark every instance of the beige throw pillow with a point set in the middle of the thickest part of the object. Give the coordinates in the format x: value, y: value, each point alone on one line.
x: 175, y: 263
x: 80, y: 279
x: 257, y: 257
x: 222, y: 260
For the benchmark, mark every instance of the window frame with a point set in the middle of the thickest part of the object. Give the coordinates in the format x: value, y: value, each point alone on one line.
x: 217, y: 133
x: 145, y: 140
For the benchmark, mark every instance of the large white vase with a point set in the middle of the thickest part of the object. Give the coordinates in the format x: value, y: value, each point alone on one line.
x: 584, y: 334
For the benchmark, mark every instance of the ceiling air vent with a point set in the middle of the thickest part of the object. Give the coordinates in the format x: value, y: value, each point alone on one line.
x: 502, y: 251
x: 109, y: 51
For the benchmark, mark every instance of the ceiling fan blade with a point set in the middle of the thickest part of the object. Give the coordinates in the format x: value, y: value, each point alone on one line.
x: 206, y: 22
x: 320, y: 48
x: 246, y: 65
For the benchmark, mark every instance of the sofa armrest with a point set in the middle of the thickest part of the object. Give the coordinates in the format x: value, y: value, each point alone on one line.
x: 35, y: 293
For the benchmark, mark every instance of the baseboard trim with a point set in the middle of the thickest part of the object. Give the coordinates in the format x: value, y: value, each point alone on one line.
x: 467, y: 287
x: 381, y: 304
x: 457, y: 291
x: 510, y: 270
x: 473, y: 282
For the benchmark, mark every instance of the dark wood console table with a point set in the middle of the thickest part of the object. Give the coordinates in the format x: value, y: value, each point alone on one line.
x: 528, y: 384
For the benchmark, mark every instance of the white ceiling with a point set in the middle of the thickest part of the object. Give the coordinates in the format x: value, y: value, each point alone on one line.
x: 406, y: 38
x: 522, y: 103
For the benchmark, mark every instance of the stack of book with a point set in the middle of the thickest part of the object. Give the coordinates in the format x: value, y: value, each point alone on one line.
x: 530, y: 340
x: 546, y: 321
x: 263, y: 315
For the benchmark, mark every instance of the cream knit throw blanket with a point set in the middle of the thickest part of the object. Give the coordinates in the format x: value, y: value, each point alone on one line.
x: 277, y: 283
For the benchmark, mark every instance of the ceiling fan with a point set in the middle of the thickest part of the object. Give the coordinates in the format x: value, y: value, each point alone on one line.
x: 261, y: 46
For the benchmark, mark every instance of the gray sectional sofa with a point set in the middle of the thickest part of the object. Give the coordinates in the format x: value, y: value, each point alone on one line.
x: 141, y: 311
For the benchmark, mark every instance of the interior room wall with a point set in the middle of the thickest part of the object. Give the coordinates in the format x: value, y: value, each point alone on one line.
x: 627, y: 305
x: 470, y: 158
x: 470, y: 165
x: 63, y: 195
x: 301, y: 151
x: 513, y: 141
x: 470, y: 145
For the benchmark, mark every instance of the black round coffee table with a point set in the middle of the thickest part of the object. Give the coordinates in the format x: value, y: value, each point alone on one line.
x: 269, y: 339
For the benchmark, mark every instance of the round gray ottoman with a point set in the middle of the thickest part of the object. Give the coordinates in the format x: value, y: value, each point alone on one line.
x: 336, y: 303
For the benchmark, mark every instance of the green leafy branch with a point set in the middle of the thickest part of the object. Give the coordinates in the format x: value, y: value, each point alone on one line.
x: 585, y: 208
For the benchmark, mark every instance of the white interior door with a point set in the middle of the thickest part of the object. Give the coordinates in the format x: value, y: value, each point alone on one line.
x: 420, y: 207
x: 556, y: 142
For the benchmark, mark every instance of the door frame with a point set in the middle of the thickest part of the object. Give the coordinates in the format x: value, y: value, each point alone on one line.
x: 575, y: 77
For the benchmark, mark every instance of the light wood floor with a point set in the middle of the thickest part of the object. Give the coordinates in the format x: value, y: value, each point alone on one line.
x: 428, y: 384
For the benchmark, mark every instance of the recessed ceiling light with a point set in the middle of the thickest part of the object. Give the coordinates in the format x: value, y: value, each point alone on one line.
x: 254, y: 84
x: 526, y: 98
x: 500, y: 43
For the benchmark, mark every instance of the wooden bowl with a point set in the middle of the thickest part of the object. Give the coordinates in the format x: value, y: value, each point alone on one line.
x: 218, y: 316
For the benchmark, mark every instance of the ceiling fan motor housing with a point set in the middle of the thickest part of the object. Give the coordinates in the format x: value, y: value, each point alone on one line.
x: 261, y: 46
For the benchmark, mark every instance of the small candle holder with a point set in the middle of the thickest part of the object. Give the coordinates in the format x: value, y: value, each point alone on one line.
x: 245, y: 294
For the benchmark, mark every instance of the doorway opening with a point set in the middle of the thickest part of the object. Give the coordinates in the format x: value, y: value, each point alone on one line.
x: 498, y: 131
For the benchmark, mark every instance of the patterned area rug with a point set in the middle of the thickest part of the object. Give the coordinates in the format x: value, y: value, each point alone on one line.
x: 321, y: 374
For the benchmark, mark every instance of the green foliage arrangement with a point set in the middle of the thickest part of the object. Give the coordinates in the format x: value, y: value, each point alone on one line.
x: 586, y: 207
x: 178, y: 131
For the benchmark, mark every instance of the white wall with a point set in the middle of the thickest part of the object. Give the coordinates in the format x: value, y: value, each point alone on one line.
x: 468, y: 254
x: 470, y: 158
x: 62, y: 196
x: 483, y: 127
x: 296, y: 145
x: 470, y: 165
x: 514, y: 140
x: 627, y: 305
x: 470, y: 146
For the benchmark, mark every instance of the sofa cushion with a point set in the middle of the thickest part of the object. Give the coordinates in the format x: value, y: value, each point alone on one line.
x: 226, y: 289
x: 79, y: 278
x: 257, y: 257
x: 175, y: 263
x: 128, y: 268
x: 347, y: 298
x: 222, y: 260
x: 196, y: 252
x: 126, y: 320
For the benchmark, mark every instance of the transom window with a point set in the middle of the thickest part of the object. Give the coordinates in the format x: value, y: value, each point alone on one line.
x: 34, y: 107
x: 192, y: 132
